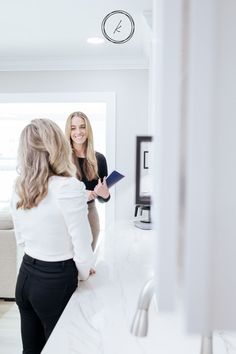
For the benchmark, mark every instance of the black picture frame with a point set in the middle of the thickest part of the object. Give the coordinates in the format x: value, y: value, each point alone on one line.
x: 139, y: 199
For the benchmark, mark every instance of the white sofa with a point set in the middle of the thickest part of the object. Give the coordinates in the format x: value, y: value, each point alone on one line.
x: 8, y: 255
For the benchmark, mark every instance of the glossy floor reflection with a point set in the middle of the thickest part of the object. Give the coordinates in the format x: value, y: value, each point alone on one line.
x: 10, y: 340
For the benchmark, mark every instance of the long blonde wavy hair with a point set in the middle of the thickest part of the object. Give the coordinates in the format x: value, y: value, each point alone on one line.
x: 90, y: 165
x: 43, y: 152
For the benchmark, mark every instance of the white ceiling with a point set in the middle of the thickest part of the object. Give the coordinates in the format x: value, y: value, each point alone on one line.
x: 52, y: 34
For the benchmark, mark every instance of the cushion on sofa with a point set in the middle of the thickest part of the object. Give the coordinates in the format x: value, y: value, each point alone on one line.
x: 6, y: 222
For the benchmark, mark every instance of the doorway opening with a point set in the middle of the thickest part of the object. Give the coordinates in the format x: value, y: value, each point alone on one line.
x: 16, y: 113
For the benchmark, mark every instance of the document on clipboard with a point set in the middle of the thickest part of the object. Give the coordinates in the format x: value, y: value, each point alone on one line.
x: 113, y: 178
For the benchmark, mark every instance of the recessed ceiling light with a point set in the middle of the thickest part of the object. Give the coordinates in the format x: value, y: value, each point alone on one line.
x: 95, y: 40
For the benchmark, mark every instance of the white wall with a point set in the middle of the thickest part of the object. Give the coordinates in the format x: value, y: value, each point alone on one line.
x: 131, y: 89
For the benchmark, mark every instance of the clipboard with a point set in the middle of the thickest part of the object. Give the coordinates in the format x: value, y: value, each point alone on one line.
x: 113, y: 178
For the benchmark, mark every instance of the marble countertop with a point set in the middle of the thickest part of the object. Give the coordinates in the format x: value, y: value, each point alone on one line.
x: 98, y: 316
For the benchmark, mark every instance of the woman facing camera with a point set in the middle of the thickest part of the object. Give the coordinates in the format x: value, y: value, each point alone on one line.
x: 91, y: 166
x: 49, y: 209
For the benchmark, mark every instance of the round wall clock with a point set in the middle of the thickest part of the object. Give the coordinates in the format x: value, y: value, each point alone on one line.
x: 118, y: 26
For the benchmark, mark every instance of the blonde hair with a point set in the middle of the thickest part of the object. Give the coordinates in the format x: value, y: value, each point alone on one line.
x: 90, y: 165
x: 43, y: 152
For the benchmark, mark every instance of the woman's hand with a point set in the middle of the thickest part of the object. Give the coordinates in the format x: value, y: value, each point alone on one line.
x: 91, y: 195
x: 92, y: 271
x: 101, y: 188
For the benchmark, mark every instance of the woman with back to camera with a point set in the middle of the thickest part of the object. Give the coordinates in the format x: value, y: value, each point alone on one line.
x: 91, y: 166
x: 49, y: 209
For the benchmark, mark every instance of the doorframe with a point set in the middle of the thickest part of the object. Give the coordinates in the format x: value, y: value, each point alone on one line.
x: 105, y: 97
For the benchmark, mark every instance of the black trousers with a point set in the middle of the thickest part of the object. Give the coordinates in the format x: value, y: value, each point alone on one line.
x: 42, y: 291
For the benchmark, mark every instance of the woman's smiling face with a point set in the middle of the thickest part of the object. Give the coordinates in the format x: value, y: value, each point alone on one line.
x: 78, y: 133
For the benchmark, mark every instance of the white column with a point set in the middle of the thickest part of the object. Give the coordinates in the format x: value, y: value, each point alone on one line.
x: 166, y: 100
x: 211, y: 167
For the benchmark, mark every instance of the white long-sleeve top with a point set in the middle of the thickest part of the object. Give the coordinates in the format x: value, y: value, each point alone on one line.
x: 58, y: 228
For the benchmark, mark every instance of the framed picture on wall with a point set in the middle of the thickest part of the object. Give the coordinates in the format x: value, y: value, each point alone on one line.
x: 143, y: 177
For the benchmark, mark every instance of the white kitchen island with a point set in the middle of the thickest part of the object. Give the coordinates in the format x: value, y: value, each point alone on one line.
x: 98, y: 317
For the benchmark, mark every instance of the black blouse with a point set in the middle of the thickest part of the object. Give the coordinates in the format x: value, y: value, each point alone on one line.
x: 102, y: 172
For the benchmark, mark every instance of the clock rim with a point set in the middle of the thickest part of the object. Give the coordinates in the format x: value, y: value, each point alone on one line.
x: 115, y: 40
